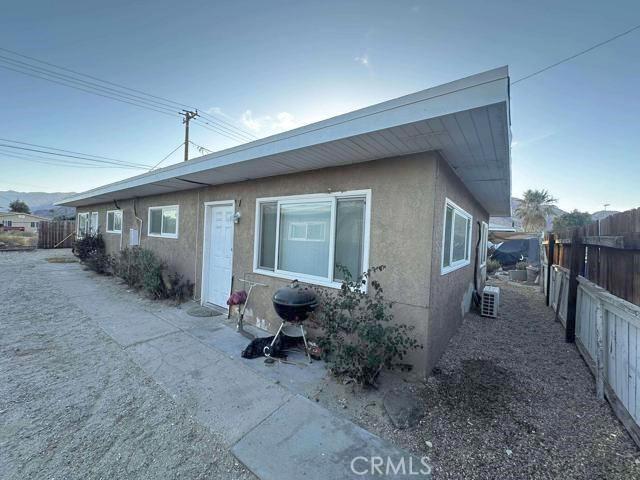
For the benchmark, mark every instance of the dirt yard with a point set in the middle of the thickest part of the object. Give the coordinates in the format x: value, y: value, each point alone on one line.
x: 508, y: 400
x: 72, y: 404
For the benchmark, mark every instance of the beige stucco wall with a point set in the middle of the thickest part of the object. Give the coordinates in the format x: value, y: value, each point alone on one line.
x: 451, y: 292
x: 407, y: 196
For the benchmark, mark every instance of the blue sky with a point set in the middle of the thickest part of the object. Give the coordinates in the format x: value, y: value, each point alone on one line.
x: 270, y: 66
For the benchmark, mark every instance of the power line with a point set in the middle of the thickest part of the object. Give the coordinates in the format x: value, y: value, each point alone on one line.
x: 593, y: 47
x: 66, y: 151
x: 219, y: 122
x: 200, y: 147
x: 84, y: 90
x: 167, y: 156
x: 59, y: 162
x: 72, y: 156
x: 84, y: 83
x: 214, y: 128
x: 137, y: 103
x: 231, y: 125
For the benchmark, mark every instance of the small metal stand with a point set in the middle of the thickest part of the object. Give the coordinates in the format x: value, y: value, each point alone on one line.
x: 241, y: 309
x: 268, y: 348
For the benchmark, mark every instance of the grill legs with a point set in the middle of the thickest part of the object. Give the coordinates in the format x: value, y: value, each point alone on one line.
x: 306, y: 345
x: 269, y: 348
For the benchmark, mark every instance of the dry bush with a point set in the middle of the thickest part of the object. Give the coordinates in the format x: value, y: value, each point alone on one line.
x: 18, y: 239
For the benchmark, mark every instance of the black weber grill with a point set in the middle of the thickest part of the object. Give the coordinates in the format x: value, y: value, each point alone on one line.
x: 293, y: 304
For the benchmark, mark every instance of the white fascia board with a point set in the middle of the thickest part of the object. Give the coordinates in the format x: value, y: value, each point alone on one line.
x: 476, y: 91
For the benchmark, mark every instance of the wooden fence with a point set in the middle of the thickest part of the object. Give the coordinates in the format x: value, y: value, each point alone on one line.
x: 592, y: 281
x: 56, y: 234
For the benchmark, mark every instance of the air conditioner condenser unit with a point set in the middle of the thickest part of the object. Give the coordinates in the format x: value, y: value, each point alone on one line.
x: 490, y: 302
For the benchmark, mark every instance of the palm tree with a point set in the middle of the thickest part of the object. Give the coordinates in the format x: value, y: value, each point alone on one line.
x: 536, y: 205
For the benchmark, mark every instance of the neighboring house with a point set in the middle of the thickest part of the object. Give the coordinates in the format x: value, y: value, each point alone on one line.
x: 409, y: 183
x: 20, y: 221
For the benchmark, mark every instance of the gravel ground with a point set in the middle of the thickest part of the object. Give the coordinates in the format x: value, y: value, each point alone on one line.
x: 72, y: 405
x: 509, y: 399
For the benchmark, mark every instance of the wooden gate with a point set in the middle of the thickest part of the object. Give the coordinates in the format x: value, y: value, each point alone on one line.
x: 56, y: 234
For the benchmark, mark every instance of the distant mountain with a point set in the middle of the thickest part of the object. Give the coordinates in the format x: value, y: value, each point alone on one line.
x: 40, y: 203
x: 602, y: 214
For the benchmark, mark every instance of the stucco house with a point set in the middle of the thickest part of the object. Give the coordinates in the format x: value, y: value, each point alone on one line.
x: 409, y: 183
x: 26, y: 222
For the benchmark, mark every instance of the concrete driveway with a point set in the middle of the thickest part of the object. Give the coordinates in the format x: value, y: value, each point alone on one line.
x: 99, y: 382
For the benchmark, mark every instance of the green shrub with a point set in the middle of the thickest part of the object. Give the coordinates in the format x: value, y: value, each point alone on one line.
x: 181, y: 290
x: 152, y: 267
x: 493, y: 265
x: 126, y: 266
x: 359, y: 338
x: 140, y: 268
x: 88, y: 246
x: 91, y: 251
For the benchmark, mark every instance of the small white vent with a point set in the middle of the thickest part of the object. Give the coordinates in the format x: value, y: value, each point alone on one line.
x: 490, y: 302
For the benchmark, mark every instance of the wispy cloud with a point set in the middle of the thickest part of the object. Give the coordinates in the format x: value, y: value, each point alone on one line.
x: 364, y: 60
x: 268, y: 124
x: 532, y: 140
x: 216, y: 111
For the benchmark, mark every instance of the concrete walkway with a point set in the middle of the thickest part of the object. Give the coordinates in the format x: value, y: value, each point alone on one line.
x: 262, y: 412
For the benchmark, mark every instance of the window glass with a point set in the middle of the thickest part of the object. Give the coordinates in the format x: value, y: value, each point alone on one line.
x: 169, y: 220
x: 82, y: 224
x: 307, y: 257
x: 483, y: 243
x: 117, y: 221
x: 447, y: 236
x: 298, y: 231
x: 349, y: 236
x: 114, y: 221
x: 268, y: 221
x: 457, y: 238
x: 155, y: 221
x: 94, y: 222
x: 460, y: 238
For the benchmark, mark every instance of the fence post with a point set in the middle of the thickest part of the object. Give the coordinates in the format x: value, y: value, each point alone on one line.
x: 552, y: 244
x: 600, y: 350
x: 577, y: 256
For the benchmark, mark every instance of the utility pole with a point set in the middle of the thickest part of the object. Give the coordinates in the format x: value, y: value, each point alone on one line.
x: 188, y: 115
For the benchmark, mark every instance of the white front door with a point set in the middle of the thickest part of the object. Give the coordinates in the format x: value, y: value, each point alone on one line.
x: 220, y: 255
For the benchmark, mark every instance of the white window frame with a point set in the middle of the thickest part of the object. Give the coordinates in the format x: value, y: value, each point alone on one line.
x: 312, y: 198
x: 484, y: 240
x: 460, y: 263
x: 80, y: 234
x: 163, y: 235
x: 119, y: 212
